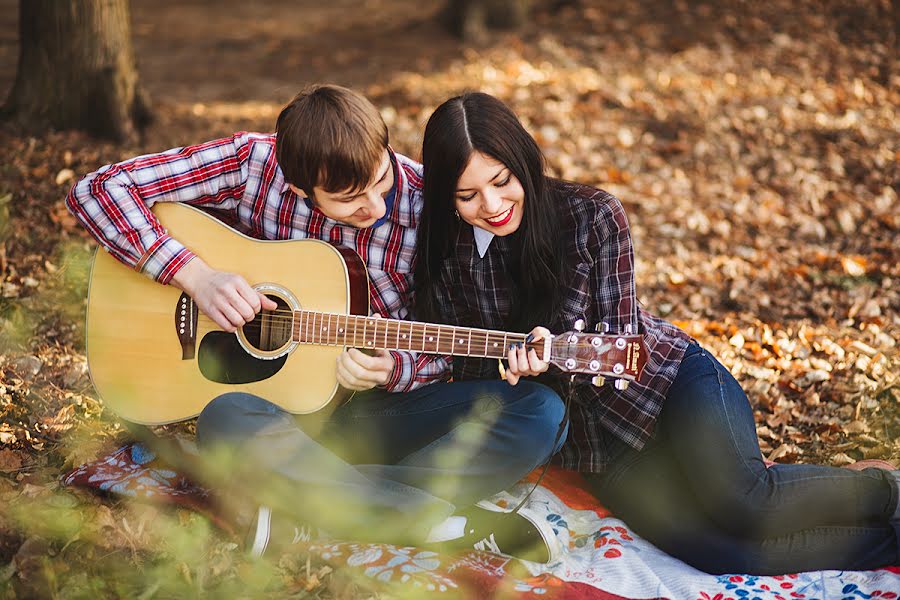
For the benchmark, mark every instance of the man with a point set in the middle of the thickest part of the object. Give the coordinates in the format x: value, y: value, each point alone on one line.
x: 409, y: 456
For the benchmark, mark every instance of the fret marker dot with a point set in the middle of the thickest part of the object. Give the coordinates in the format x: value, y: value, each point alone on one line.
x: 430, y: 339
x: 495, y: 344
x: 403, y: 336
x: 341, y: 330
x: 460, y: 342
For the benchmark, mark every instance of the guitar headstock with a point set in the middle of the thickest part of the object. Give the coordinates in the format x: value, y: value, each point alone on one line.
x: 618, y: 356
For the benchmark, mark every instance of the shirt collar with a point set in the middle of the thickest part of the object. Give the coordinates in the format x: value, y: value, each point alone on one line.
x: 482, y: 240
x: 391, y: 195
x: 408, y: 183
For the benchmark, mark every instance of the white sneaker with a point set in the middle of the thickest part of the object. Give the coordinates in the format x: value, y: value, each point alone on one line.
x: 523, y: 534
x: 262, y: 536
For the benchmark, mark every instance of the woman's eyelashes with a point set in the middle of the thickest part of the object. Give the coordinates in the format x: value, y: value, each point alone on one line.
x: 498, y: 184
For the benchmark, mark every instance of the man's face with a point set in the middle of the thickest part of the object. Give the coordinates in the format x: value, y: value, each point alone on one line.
x: 358, y: 209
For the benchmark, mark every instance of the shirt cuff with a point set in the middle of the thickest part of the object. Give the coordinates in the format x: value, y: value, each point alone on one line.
x: 163, y: 259
x: 402, y: 375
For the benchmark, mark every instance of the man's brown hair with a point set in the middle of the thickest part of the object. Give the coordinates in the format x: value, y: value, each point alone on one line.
x: 332, y: 137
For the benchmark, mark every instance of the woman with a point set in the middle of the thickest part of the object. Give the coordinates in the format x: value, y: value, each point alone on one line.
x: 675, y: 454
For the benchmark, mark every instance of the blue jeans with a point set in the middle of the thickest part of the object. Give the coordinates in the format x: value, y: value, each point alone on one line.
x: 386, y: 466
x: 701, y: 492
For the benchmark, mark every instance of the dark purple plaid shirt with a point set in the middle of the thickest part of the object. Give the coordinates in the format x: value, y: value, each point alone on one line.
x: 474, y: 292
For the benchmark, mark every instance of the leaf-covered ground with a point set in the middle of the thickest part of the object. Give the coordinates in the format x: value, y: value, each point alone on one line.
x: 754, y: 145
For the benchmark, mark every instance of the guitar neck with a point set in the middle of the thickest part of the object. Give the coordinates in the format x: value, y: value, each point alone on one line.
x: 331, y: 329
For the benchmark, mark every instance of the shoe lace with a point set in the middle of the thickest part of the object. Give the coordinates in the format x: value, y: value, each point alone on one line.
x: 488, y: 544
x: 302, y: 534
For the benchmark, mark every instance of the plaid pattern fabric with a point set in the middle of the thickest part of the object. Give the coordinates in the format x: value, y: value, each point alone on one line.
x: 475, y: 292
x: 239, y: 180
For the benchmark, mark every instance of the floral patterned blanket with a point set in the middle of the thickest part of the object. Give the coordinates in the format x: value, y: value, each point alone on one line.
x: 604, y: 559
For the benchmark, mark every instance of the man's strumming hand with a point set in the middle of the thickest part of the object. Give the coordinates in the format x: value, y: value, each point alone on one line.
x: 224, y: 297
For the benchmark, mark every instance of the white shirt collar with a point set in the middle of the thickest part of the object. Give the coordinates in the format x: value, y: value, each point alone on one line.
x: 482, y: 240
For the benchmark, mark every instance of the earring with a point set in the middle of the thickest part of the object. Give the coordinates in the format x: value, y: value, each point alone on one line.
x: 456, y: 212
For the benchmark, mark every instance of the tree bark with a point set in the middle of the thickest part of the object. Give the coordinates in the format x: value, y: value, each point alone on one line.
x: 471, y: 19
x: 76, y: 69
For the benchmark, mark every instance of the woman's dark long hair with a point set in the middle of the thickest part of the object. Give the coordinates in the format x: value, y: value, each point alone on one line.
x: 457, y: 128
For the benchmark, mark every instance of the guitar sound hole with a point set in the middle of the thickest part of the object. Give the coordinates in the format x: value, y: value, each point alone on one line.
x: 271, y: 329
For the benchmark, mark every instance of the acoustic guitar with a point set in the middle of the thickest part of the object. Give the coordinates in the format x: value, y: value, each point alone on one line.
x: 155, y: 359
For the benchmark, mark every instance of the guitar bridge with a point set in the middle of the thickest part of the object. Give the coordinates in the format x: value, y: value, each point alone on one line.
x: 186, y: 314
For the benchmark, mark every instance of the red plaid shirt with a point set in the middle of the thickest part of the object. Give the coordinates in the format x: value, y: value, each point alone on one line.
x: 475, y: 292
x: 239, y: 179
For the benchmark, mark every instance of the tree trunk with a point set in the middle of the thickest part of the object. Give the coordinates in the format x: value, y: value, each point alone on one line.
x: 471, y: 19
x: 76, y: 69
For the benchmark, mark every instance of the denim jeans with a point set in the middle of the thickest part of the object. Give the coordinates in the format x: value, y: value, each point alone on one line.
x: 386, y: 466
x: 701, y: 492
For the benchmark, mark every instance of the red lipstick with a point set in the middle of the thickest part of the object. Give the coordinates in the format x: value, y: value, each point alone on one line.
x: 505, y: 219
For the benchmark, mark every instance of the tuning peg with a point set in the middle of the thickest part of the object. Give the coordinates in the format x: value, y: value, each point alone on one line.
x: 629, y: 329
x: 602, y: 327
x: 579, y: 325
x: 598, y: 380
x: 622, y: 384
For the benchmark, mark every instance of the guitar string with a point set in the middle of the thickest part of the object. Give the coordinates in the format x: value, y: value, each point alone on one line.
x: 415, y: 339
x: 288, y: 314
x: 352, y: 319
x: 369, y: 320
x: 414, y: 345
x: 419, y: 336
x: 416, y: 328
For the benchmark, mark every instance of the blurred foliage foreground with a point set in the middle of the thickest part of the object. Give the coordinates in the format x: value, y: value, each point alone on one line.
x: 753, y: 144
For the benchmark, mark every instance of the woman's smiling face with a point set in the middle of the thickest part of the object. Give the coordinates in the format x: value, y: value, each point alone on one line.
x: 489, y: 196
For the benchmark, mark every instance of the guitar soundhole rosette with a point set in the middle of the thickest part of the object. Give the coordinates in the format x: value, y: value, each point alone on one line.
x: 270, y: 334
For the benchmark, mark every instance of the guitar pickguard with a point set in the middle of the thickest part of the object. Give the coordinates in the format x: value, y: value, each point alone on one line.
x: 222, y: 359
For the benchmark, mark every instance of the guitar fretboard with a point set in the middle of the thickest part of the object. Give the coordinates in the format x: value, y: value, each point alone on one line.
x: 331, y: 329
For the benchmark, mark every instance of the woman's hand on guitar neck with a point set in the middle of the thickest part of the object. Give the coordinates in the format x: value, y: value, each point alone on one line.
x: 226, y: 298
x: 524, y: 362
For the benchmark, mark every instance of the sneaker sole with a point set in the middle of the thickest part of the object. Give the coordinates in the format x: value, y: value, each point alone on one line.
x: 554, y: 548
x: 263, y: 529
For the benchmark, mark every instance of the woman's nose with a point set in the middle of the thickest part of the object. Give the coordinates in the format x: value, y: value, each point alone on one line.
x: 492, y: 202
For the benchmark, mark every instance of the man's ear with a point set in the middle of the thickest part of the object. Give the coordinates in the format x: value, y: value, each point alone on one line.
x: 302, y: 193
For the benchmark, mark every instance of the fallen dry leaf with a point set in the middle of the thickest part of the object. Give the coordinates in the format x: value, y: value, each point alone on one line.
x: 757, y: 165
x: 10, y: 460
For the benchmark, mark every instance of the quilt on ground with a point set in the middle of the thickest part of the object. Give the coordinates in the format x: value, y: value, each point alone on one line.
x: 602, y: 558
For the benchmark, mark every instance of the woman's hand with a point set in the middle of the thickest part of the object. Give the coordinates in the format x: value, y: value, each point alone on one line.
x: 524, y: 362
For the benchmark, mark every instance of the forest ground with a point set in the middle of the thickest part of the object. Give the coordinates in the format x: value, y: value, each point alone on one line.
x: 753, y: 144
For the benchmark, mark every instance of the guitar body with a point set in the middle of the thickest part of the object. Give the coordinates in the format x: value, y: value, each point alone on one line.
x: 155, y: 360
